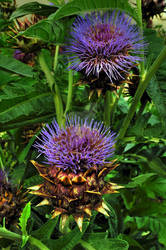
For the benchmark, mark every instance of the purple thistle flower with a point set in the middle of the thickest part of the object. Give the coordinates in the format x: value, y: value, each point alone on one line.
x: 106, y: 43
x: 79, y: 146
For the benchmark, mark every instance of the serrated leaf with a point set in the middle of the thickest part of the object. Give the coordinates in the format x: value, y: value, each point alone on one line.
x: 33, y: 8
x: 23, y: 222
x: 24, y: 218
x: 13, y: 65
x: 81, y: 6
x: 24, y: 103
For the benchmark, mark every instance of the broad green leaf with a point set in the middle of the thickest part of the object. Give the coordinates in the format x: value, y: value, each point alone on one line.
x: 45, y: 30
x: 69, y: 240
x: 27, y: 105
x: 158, y: 166
x: 26, y: 122
x: 107, y: 244
x: 23, y: 222
x: 81, y: 6
x: 139, y: 180
x: 156, y: 187
x: 33, y: 8
x: 13, y: 65
x: 46, y: 230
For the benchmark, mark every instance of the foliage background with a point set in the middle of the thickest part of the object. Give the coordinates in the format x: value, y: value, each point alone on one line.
x: 27, y: 101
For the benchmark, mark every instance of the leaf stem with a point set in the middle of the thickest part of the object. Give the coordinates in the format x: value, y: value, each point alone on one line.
x: 107, y: 107
x: 141, y: 88
x: 112, y: 112
x: 56, y: 57
x: 69, y: 95
x: 51, y: 82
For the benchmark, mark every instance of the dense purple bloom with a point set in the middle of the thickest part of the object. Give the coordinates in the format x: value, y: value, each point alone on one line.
x: 79, y: 146
x: 106, y: 43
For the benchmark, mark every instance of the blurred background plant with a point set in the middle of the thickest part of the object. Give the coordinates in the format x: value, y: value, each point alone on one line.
x: 36, y: 86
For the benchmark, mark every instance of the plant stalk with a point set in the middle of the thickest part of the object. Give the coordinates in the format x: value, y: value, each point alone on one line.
x: 51, y: 82
x: 141, y: 88
x: 107, y: 107
x: 69, y: 95
x: 56, y: 57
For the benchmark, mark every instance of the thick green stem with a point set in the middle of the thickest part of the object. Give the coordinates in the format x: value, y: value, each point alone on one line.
x: 4, y: 233
x: 52, y: 83
x: 69, y: 95
x: 141, y: 88
x: 112, y: 112
x: 56, y: 57
x: 107, y: 107
x: 139, y: 11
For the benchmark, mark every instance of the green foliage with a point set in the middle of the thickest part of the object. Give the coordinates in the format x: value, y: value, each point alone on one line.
x: 23, y: 222
x: 21, y: 104
x: 13, y: 65
x: 33, y: 8
x: 81, y: 6
x: 28, y: 96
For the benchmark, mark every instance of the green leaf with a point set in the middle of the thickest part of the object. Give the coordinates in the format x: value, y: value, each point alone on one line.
x: 69, y: 240
x: 45, y: 30
x: 107, y: 244
x: 13, y: 65
x: 81, y: 6
x: 139, y: 180
x: 23, y: 222
x: 46, y: 230
x: 156, y: 224
x: 157, y: 165
x: 156, y: 187
x: 157, y: 92
x: 33, y: 8
x: 24, y: 103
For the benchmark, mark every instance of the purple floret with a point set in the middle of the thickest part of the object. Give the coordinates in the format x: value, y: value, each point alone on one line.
x: 81, y: 145
x: 106, y: 43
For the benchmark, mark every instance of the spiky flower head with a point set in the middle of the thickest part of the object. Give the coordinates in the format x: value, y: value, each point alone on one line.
x: 12, y: 200
x: 79, y: 146
x: 77, y: 162
x: 105, y: 43
x: 150, y: 8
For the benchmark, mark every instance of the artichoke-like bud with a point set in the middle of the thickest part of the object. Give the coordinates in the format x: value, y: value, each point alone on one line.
x: 75, y: 168
x: 151, y: 8
x: 12, y: 200
x: 104, y: 47
x: 25, y: 48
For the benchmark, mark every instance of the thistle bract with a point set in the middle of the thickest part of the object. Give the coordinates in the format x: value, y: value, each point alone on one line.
x: 105, y: 43
x: 79, y: 146
x: 77, y: 162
